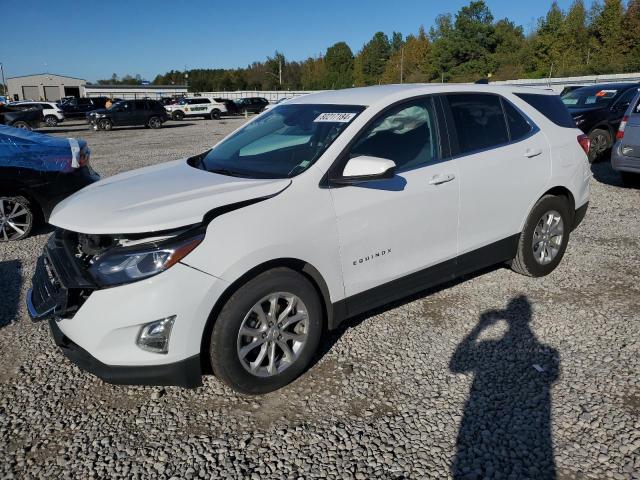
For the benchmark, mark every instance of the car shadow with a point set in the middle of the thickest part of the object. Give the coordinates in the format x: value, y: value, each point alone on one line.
x: 10, y: 285
x: 604, y: 173
x: 505, y: 430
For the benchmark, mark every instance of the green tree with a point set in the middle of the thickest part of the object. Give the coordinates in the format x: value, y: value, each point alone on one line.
x: 339, y: 66
x: 631, y: 36
x: 371, y: 61
x: 412, y: 62
x: 606, y: 30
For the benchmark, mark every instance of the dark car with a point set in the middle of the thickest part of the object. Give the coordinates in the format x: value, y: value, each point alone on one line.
x: 232, y: 108
x: 251, y: 104
x: 21, y: 117
x: 150, y: 113
x: 598, y: 111
x: 78, y: 107
x: 37, y: 171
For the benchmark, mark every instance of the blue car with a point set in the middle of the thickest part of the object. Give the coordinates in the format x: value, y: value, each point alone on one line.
x: 37, y: 171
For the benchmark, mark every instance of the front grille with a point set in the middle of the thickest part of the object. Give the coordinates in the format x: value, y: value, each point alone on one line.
x: 60, y: 283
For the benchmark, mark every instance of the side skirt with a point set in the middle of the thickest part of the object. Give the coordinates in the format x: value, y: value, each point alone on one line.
x: 498, y: 252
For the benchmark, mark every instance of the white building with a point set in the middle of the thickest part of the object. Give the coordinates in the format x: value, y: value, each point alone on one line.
x: 44, y: 86
x: 135, y: 91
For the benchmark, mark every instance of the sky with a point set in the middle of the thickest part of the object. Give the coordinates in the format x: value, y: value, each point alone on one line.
x: 92, y: 40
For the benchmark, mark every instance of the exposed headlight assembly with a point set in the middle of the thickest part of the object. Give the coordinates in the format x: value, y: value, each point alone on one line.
x: 129, y: 264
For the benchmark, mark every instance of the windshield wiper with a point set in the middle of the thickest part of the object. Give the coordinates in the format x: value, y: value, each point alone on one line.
x: 227, y: 172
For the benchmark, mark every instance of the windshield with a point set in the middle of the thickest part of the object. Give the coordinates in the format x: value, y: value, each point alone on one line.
x: 282, y: 142
x: 589, y: 97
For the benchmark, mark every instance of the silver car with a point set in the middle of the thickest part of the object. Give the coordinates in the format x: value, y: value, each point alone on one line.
x: 625, y: 156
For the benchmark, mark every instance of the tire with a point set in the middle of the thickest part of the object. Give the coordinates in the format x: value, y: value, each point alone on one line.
x: 600, y: 141
x: 241, y: 309
x: 16, y: 218
x: 105, y: 124
x: 178, y: 115
x: 51, y: 120
x: 21, y: 124
x: 215, y: 114
x: 630, y: 179
x: 527, y: 261
x: 154, y: 122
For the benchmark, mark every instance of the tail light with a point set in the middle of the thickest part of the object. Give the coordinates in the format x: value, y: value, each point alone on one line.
x: 623, y: 125
x: 83, y: 158
x: 584, y: 142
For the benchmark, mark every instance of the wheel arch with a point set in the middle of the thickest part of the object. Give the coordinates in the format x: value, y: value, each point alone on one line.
x: 558, y: 191
x: 300, y: 266
x: 19, y: 189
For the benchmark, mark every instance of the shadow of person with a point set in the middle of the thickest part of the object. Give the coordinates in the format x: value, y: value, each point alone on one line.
x: 505, y: 431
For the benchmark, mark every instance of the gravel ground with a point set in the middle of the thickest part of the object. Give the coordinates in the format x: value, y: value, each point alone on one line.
x: 495, y: 376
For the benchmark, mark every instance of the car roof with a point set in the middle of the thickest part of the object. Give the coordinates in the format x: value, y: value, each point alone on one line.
x: 367, y: 96
x: 611, y: 86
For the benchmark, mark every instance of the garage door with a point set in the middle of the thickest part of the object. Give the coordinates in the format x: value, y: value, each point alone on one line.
x: 52, y: 93
x: 30, y: 93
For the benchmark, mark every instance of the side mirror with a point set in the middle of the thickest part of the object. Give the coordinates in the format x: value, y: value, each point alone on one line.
x: 365, y: 169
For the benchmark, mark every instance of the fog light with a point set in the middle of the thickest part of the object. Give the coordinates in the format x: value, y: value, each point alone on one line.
x: 154, y: 336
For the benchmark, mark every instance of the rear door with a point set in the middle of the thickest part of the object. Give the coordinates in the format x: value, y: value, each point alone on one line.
x: 503, y: 160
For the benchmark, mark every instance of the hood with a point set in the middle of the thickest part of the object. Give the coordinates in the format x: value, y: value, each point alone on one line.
x: 152, y: 199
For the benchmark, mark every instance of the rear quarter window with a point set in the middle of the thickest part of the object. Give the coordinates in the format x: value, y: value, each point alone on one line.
x: 551, y: 107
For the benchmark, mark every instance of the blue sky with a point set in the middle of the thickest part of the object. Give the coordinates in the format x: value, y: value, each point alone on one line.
x: 91, y: 39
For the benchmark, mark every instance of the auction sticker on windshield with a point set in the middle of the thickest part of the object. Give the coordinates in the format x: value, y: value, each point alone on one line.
x: 335, y: 117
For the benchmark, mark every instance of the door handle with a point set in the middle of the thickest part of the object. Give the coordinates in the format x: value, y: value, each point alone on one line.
x: 532, y: 152
x: 441, y: 178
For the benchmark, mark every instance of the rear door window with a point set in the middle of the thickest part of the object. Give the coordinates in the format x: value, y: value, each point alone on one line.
x: 479, y: 121
x: 519, y: 126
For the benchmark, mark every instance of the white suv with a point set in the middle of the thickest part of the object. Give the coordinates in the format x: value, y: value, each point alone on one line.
x: 196, y: 107
x: 322, y: 208
x: 51, y: 113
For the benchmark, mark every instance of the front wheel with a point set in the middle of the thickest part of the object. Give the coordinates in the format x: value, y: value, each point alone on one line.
x: 105, y: 124
x: 215, y: 114
x: 544, y: 238
x: 178, y: 115
x: 267, y: 332
x: 50, y: 121
x: 16, y: 218
x: 600, y: 143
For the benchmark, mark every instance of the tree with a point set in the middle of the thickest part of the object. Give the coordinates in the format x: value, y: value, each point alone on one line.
x: 412, y: 62
x: 631, y: 36
x: 606, y: 30
x: 338, y: 63
x: 371, y: 60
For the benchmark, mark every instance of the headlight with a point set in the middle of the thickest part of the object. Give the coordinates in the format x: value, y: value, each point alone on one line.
x: 130, y: 264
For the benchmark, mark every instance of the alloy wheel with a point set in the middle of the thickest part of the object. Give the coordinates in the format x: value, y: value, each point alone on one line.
x: 15, y: 219
x: 547, y: 237
x: 273, y: 334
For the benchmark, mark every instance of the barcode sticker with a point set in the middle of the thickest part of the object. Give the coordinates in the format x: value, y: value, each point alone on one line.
x: 335, y: 117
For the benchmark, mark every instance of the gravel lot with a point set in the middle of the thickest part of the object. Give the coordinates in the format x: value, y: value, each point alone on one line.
x: 495, y: 376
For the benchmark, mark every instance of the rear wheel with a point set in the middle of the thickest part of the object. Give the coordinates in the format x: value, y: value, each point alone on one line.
x: 544, y: 238
x: 155, y: 122
x: 600, y: 143
x: 178, y: 115
x: 16, y: 218
x: 267, y: 332
x: 215, y: 114
x: 21, y: 124
x: 51, y: 120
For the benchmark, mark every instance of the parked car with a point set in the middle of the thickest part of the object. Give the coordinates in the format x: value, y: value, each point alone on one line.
x: 51, y: 112
x: 598, y: 110
x: 625, y: 157
x: 230, y: 105
x: 25, y: 118
x: 196, y: 107
x: 36, y: 172
x: 79, y: 107
x: 569, y: 88
x: 149, y: 113
x: 328, y: 206
x: 251, y: 104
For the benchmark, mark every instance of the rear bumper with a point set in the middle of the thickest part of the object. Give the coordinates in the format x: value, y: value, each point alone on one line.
x: 624, y: 163
x: 186, y: 373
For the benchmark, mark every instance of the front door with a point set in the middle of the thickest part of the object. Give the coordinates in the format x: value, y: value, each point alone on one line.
x: 394, y: 229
